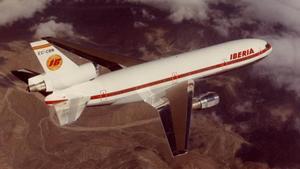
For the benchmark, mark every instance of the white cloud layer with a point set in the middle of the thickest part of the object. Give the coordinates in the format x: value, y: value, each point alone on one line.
x: 272, y: 11
x: 283, y: 63
x: 285, y: 58
x: 54, y: 29
x: 285, y: 12
x: 180, y: 9
x: 14, y: 10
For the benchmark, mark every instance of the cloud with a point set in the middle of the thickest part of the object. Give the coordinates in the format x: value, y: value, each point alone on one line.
x: 276, y: 11
x: 263, y: 17
x: 208, y: 12
x: 287, y: 52
x: 180, y: 9
x: 223, y: 25
x: 268, y: 11
x: 283, y: 64
x: 138, y: 24
x: 14, y: 10
x: 147, y: 15
x: 54, y: 29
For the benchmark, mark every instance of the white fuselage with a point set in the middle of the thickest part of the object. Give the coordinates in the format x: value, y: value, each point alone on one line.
x: 133, y: 83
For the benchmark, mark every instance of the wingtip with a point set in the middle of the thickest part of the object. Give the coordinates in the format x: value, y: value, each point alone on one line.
x: 47, y: 37
x: 179, y: 153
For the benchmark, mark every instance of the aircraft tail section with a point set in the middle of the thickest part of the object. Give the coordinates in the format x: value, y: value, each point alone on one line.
x: 51, y: 59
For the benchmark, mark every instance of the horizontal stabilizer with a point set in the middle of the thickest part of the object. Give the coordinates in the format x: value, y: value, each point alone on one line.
x: 24, y: 74
x: 70, y: 110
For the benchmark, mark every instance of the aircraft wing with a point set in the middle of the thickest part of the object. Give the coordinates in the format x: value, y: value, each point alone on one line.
x: 106, y: 59
x: 175, y: 113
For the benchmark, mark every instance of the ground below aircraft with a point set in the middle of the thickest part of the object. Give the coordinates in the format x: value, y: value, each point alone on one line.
x: 166, y: 84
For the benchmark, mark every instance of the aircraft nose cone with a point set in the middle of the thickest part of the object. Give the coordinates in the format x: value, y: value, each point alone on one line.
x: 269, y: 48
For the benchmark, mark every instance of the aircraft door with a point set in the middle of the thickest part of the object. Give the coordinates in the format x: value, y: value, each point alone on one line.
x: 174, y: 77
x: 225, y: 61
x: 103, y: 95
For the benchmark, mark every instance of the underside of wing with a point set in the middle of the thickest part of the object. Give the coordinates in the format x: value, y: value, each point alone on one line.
x: 175, y: 116
x: 106, y: 59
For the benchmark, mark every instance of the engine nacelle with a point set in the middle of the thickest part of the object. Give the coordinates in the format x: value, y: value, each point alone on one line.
x: 207, y: 100
x: 51, y: 81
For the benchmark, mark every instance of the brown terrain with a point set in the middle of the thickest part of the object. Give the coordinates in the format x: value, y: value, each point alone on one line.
x: 255, y: 126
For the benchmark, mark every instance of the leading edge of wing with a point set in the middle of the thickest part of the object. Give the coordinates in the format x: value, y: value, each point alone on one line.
x: 106, y: 59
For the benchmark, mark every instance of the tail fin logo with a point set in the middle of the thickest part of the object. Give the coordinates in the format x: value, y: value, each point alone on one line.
x: 54, y: 62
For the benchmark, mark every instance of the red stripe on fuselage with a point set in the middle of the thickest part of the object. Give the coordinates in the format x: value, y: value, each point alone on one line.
x: 55, y: 101
x: 169, y: 78
x: 178, y: 76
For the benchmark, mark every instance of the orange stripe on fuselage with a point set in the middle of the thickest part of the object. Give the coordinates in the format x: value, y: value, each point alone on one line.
x: 41, y: 46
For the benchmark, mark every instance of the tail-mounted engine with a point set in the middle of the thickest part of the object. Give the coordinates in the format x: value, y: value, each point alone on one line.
x: 51, y: 81
x: 207, y: 100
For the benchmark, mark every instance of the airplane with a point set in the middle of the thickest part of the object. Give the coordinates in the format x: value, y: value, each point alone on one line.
x: 167, y: 84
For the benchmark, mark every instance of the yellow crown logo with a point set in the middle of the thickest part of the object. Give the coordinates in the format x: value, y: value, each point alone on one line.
x: 54, y: 62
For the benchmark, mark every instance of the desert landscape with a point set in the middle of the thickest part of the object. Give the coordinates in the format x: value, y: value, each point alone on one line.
x: 256, y: 125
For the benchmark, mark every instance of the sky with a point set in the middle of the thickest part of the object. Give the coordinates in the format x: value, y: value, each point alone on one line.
x: 135, y: 27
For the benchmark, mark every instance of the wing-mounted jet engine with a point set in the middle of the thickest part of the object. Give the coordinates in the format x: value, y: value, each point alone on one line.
x: 205, y: 101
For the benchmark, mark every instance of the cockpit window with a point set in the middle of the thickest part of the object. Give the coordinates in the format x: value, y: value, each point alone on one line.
x: 268, y: 46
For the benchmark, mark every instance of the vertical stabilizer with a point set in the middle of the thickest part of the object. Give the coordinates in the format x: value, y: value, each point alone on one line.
x: 51, y: 59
